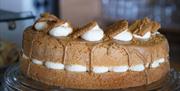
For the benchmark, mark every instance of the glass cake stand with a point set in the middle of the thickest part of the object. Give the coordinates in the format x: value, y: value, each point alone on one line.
x: 15, y: 81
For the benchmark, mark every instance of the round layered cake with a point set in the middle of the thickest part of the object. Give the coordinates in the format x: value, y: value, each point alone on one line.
x: 120, y: 56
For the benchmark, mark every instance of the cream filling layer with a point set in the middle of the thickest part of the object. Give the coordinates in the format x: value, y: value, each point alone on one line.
x: 139, y: 67
x: 76, y: 68
x: 119, y: 68
x: 53, y: 65
x: 35, y: 61
x: 97, y: 69
x: 157, y: 63
x: 100, y: 69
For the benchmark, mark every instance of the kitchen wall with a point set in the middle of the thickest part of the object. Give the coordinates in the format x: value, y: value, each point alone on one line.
x: 15, y: 36
x: 17, y: 5
x: 80, y: 12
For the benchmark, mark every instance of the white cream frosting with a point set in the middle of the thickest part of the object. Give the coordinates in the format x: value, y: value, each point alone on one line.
x: 95, y: 34
x: 155, y: 33
x: 100, y: 69
x: 139, y: 67
x: 40, y: 25
x: 146, y: 36
x: 124, y: 36
x: 76, y: 68
x: 53, y: 65
x: 35, y: 61
x: 62, y: 30
x: 24, y: 56
x: 157, y: 63
x: 119, y: 69
x: 161, y: 60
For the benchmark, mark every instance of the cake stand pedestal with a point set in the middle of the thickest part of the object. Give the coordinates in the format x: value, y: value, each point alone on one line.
x: 15, y: 81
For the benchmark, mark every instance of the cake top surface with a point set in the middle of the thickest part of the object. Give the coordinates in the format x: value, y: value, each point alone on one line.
x: 140, y: 32
x: 51, y: 39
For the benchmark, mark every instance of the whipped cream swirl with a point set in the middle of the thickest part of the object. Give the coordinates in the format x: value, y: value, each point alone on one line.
x: 95, y: 34
x: 60, y: 31
x: 124, y: 36
x: 40, y: 25
x: 146, y: 36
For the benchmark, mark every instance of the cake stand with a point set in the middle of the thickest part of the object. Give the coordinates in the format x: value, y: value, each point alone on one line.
x: 15, y: 81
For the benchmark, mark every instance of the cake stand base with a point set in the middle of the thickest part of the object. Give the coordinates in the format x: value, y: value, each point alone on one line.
x: 15, y: 81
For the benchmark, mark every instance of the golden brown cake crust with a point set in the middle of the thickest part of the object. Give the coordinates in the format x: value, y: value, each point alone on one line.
x: 44, y: 47
x: 72, y: 62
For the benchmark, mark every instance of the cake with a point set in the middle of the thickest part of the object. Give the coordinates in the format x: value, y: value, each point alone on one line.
x: 120, y: 56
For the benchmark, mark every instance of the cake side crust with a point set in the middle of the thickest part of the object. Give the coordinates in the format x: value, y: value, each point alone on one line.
x: 85, y: 80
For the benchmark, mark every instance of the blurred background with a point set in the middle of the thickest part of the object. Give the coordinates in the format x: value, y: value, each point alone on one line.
x: 15, y: 15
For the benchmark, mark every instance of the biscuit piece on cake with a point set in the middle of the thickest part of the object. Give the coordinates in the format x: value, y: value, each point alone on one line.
x: 140, y: 27
x: 116, y: 28
x: 84, y: 29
